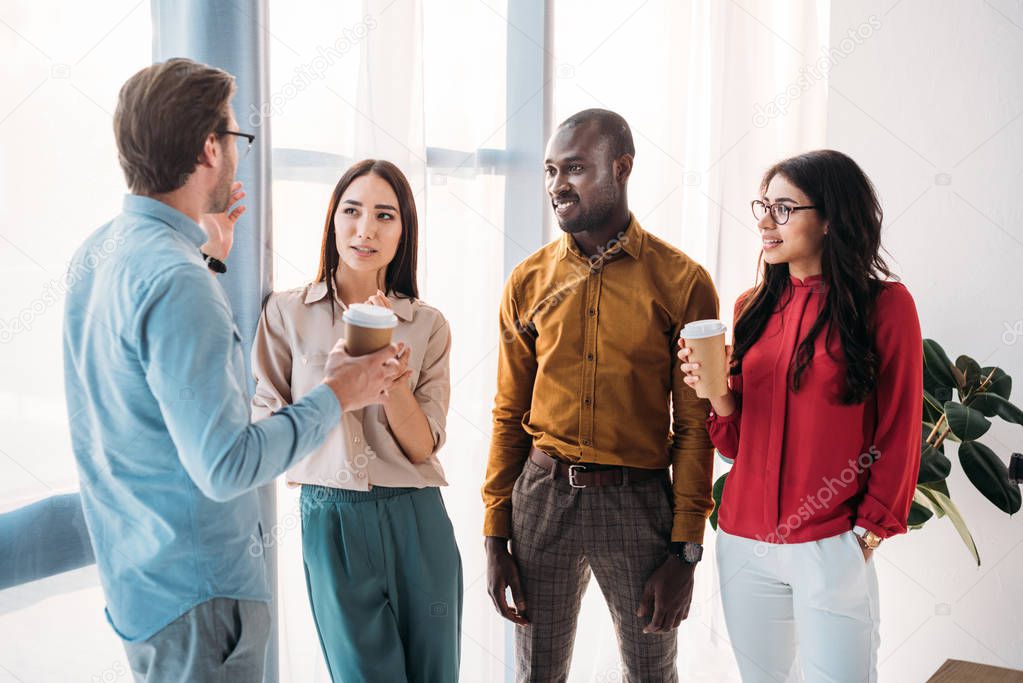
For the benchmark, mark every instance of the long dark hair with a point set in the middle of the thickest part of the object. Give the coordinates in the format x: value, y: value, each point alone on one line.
x: 400, y: 277
x: 852, y: 270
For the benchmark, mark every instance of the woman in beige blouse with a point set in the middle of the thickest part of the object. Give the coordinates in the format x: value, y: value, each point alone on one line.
x: 382, y: 568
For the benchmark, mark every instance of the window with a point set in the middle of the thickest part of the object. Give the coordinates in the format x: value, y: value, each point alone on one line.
x: 59, y: 181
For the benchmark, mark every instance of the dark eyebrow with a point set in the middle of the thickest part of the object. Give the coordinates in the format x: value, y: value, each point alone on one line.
x: 379, y: 206
x: 781, y: 199
x: 569, y: 160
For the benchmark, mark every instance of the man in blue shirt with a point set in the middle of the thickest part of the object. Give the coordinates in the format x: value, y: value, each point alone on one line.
x: 156, y: 387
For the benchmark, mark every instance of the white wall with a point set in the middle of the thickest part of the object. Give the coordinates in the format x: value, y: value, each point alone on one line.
x: 931, y: 106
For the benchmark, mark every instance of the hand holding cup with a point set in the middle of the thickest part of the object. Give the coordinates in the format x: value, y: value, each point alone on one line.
x: 705, y: 358
x: 359, y: 381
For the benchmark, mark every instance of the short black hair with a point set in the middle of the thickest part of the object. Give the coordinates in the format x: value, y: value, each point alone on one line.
x: 612, y: 127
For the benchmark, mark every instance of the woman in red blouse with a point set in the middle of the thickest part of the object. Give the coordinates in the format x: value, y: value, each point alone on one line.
x: 822, y: 421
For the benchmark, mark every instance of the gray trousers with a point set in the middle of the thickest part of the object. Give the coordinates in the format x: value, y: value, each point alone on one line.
x: 217, y: 641
x: 560, y: 534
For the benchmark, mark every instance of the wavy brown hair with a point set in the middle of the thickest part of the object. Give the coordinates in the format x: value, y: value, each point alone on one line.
x: 164, y: 114
x: 851, y: 266
x: 400, y: 277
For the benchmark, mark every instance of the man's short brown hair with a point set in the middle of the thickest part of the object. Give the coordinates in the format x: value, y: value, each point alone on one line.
x: 164, y: 114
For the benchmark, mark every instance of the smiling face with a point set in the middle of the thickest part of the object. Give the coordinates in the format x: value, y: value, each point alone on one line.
x: 800, y: 241
x: 580, y: 178
x: 367, y: 224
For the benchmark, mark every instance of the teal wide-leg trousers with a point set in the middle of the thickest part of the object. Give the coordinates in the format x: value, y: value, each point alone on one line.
x: 385, y: 583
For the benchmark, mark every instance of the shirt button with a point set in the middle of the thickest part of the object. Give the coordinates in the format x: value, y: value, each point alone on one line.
x: 361, y: 475
x: 587, y: 401
x: 305, y: 360
x: 593, y: 312
x: 357, y: 439
x: 586, y: 442
x: 589, y: 356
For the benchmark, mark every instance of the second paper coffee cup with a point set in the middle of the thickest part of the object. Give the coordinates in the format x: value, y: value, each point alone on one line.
x: 368, y: 328
x: 706, y: 338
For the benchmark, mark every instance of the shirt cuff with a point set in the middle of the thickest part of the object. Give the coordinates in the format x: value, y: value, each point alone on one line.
x: 714, y: 417
x: 688, y: 526
x: 497, y: 523
x: 870, y: 526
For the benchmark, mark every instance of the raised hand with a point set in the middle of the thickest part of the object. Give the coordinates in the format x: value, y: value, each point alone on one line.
x: 219, y: 227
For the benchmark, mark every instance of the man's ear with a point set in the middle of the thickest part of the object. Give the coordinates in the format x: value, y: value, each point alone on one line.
x: 622, y: 167
x: 210, y: 151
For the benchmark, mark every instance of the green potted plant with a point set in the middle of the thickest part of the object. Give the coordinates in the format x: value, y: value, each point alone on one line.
x: 983, y: 392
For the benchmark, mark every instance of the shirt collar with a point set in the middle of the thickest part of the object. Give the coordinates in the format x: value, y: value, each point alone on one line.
x: 317, y: 291
x: 631, y: 242
x: 154, y: 208
x: 813, y: 282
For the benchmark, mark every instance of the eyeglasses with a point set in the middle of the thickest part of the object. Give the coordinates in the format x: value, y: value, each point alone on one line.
x: 248, y: 136
x: 779, y: 212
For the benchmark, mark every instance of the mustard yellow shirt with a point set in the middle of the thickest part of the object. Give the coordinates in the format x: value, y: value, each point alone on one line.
x: 588, y: 373
x: 295, y: 334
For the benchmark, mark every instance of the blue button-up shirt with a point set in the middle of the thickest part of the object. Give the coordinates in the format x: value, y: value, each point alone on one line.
x: 159, y: 410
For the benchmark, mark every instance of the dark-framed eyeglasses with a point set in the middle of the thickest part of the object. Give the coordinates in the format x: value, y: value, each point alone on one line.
x: 249, y: 137
x: 779, y: 212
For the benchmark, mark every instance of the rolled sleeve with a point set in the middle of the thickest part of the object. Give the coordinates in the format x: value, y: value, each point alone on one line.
x: 510, y: 443
x: 433, y: 389
x: 891, y: 479
x: 191, y: 354
x: 692, y: 453
x: 271, y: 362
x: 724, y: 431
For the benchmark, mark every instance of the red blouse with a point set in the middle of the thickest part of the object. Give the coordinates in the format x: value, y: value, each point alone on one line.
x: 806, y: 466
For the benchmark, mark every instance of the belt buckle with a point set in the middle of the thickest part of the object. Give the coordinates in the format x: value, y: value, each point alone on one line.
x: 572, y: 470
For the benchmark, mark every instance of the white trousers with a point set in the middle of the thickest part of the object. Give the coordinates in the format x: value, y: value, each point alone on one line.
x: 817, y: 599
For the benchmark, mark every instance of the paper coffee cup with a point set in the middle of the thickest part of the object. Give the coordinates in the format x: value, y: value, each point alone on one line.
x: 368, y: 328
x: 706, y: 338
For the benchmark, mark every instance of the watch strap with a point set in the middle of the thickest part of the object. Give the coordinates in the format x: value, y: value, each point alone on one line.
x: 214, y: 264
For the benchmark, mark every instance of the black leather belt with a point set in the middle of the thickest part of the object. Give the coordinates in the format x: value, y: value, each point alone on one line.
x: 585, y: 475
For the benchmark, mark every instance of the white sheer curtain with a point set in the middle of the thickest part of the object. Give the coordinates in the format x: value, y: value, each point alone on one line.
x: 696, y: 81
x: 63, y: 64
x: 384, y: 80
x: 714, y: 91
x: 422, y: 83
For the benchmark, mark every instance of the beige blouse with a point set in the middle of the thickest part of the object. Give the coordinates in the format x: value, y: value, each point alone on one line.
x: 294, y: 337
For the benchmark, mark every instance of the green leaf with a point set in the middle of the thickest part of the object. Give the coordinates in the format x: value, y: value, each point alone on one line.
x: 966, y: 423
x: 940, y: 487
x: 918, y: 514
x: 717, y: 492
x: 934, y: 466
x: 990, y: 476
x: 938, y: 376
x: 1001, y: 383
x: 949, y: 508
x: 971, y: 374
x: 993, y: 404
x: 924, y: 494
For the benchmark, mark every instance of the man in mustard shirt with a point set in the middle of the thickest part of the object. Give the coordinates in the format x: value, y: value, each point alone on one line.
x: 591, y: 412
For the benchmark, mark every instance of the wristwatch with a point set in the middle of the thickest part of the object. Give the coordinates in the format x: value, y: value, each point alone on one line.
x: 214, y: 264
x: 688, y: 552
x: 870, y: 539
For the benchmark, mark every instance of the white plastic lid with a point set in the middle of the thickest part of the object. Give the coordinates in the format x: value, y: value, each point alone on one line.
x: 368, y: 315
x: 701, y: 329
